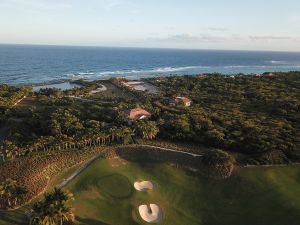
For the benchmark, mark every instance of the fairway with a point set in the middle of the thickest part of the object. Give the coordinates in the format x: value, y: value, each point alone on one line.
x: 105, y: 195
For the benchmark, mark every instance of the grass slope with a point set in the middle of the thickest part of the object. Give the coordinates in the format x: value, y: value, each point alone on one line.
x: 104, y: 195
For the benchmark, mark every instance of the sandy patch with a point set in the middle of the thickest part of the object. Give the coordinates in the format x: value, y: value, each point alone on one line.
x: 151, y: 213
x: 143, y: 185
x: 99, y: 89
x: 142, y: 86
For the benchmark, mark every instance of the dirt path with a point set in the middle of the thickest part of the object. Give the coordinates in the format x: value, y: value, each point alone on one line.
x: 88, y: 100
x: 172, y: 150
x: 80, y: 170
x: 19, y: 100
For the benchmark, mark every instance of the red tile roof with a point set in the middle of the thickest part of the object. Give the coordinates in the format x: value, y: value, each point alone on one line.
x: 137, y: 113
x: 182, y: 99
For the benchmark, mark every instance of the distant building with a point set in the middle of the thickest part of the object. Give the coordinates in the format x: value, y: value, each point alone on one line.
x: 180, y: 100
x: 202, y: 76
x: 270, y: 75
x: 137, y: 114
x: 258, y: 75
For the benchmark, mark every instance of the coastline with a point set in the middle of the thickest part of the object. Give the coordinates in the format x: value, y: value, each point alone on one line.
x: 44, y: 65
x: 137, y: 78
x: 50, y: 83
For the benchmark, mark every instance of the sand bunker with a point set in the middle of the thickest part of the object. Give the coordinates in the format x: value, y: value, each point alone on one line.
x: 143, y: 186
x: 152, y: 214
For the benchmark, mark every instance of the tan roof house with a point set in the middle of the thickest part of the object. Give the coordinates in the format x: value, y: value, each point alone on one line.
x: 137, y: 114
x: 180, y: 100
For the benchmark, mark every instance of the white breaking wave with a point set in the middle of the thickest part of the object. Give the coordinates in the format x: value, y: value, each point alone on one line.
x: 128, y: 72
x: 136, y: 74
x: 278, y: 62
x: 262, y: 66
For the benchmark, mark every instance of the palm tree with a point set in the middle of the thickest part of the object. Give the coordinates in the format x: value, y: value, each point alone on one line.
x: 11, y: 193
x: 54, y: 209
x: 126, y: 134
x: 146, y: 130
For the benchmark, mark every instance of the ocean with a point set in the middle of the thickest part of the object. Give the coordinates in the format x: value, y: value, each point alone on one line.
x: 29, y: 65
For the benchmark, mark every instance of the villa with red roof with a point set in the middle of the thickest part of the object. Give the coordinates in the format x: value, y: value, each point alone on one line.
x: 137, y: 114
x: 180, y: 100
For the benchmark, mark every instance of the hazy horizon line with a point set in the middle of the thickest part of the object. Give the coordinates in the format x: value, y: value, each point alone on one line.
x: 144, y: 47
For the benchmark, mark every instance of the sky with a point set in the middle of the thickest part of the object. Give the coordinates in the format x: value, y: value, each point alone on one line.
x: 192, y: 24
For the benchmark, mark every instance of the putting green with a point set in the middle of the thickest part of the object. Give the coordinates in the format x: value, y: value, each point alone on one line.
x: 252, y: 196
x: 115, y: 185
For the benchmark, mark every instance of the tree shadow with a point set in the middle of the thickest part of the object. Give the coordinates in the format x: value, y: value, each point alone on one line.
x: 13, y: 217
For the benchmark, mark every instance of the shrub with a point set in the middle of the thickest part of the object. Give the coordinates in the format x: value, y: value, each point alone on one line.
x: 218, y: 164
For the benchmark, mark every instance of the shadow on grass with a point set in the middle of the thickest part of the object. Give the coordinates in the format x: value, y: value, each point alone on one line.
x: 90, y: 222
x: 13, y: 218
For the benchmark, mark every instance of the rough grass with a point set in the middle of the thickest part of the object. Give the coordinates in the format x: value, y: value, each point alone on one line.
x: 18, y: 217
x: 251, y: 196
x: 112, y: 92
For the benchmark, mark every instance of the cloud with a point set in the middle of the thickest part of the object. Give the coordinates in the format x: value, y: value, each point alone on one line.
x: 274, y: 38
x: 111, y: 5
x: 210, y: 38
x: 195, y: 38
x: 217, y: 29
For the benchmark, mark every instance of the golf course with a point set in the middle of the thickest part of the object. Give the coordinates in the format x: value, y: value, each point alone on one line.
x: 104, y: 194
x: 113, y: 191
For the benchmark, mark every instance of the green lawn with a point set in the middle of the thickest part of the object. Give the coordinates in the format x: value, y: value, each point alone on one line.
x: 105, y: 195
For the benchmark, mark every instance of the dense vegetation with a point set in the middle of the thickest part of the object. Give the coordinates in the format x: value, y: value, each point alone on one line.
x: 257, y: 116
x: 11, y: 193
x: 57, y: 124
x: 10, y: 95
x: 24, y: 178
x: 54, y: 209
x: 217, y: 164
x: 254, y: 119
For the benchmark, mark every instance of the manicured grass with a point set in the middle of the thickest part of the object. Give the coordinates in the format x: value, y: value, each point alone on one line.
x: 252, y: 196
x: 115, y: 185
x: 104, y: 195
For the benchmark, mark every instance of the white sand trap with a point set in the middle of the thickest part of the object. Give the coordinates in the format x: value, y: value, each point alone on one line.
x: 152, y: 214
x: 144, y: 186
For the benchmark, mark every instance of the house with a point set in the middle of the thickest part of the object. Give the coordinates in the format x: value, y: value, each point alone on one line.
x: 270, y: 75
x: 137, y: 114
x: 202, y: 76
x: 180, y: 100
